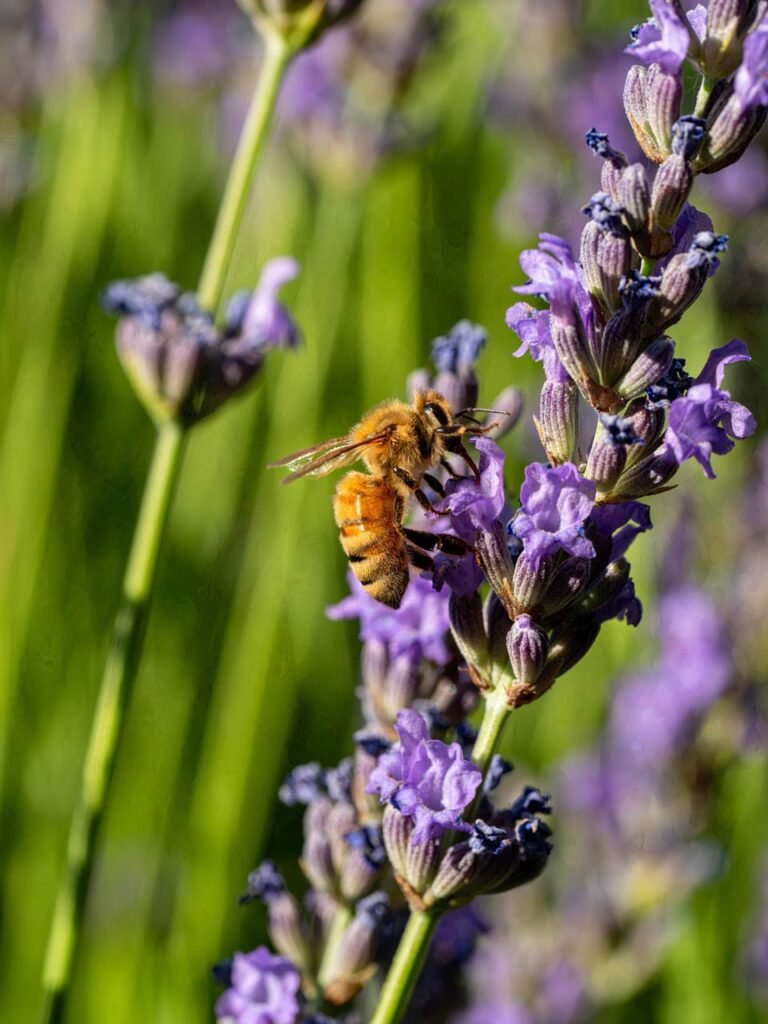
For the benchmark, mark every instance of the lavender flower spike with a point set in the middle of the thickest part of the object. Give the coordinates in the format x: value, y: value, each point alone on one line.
x: 425, y: 779
x: 555, y: 504
x: 264, y: 990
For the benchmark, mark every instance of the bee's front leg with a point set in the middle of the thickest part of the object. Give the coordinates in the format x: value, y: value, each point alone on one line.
x: 446, y: 542
x: 417, y: 492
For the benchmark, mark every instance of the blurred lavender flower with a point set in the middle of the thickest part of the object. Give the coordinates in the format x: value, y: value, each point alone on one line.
x: 264, y: 990
x: 180, y: 364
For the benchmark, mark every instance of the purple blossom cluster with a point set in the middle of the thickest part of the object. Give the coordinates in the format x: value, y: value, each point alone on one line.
x: 635, y: 815
x: 183, y: 366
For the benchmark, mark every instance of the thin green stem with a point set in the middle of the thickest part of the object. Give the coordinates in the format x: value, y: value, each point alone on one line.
x: 277, y: 54
x: 495, y: 717
x: 706, y: 85
x: 338, y: 927
x: 406, y: 967
x: 646, y: 267
x: 114, y: 693
x: 129, y: 627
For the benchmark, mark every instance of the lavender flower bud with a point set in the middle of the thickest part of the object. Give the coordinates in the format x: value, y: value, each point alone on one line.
x: 569, y: 643
x: 530, y: 581
x: 614, y: 163
x: 671, y: 188
x: 652, y: 100
x: 567, y: 582
x: 649, y: 475
x: 606, y: 257
x: 664, y: 93
x: 635, y: 197
x: 635, y: 109
x: 731, y: 130
x: 608, y: 454
x: 286, y: 929
x: 469, y: 633
x: 649, y: 367
x: 494, y: 557
x: 558, y: 422
x: 509, y: 406
x: 721, y: 48
x: 352, y: 964
x: 455, y: 356
x: 681, y: 284
x: 317, y: 858
x: 509, y: 851
x: 527, y: 646
x: 648, y: 425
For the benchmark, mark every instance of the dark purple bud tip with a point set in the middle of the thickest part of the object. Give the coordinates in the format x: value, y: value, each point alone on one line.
x: 606, y: 213
x: 487, y: 838
x: 338, y: 780
x: 704, y: 249
x: 687, y: 135
x: 459, y: 350
x: 374, y: 907
x: 371, y: 744
x: 264, y: 883
x: 531, y: 801
x: 600, y: 145
x: 222, y: 972
x: 144, y: 297
x: 635, y: 288
x: 498, y: 768
x: 369, y: 842
x: 303, y: 785
x: 619, y: 431
x: 674, y: 385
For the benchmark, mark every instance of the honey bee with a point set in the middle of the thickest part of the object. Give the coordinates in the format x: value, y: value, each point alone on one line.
x: 399, y: 444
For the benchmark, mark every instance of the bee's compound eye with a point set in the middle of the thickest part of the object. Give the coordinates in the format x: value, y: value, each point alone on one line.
x: 438, y: 412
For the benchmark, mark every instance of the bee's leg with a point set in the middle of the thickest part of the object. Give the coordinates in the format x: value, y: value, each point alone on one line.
x: 446, y: 542
x: 420, y: 496
x: 419, y: 559
x: 450, y: 470
x: 461, y: 451
x: 435, y: 484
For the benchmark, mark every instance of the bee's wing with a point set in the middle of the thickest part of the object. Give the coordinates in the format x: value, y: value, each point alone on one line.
x: 321, y: 459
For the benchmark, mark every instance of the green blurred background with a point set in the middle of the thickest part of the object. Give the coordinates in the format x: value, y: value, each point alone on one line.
x: 109, y: 171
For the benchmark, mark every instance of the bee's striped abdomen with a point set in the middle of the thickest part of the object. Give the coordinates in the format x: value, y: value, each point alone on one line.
x: 368, y: 514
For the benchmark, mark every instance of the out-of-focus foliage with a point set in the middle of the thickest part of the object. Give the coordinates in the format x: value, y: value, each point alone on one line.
x: 111, y: 167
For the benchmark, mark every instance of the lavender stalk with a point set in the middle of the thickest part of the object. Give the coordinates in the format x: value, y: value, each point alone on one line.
x: 182, y: 369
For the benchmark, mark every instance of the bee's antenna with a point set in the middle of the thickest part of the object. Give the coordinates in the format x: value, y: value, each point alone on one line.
x: 498, y: 412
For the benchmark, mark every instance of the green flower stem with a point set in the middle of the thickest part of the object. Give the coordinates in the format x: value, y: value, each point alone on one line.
x: 414, y: 945
x: 646, y: 267
x: 495, y: 717
x: 116, y: 684
x: 338, y: 927
x: 277, y: 55
x: 406, y: 967
x: 702, y: 96
x: 129, y: 626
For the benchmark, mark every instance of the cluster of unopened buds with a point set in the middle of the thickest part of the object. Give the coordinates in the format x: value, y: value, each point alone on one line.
x: 182, y: 366
x: 408, y: 823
